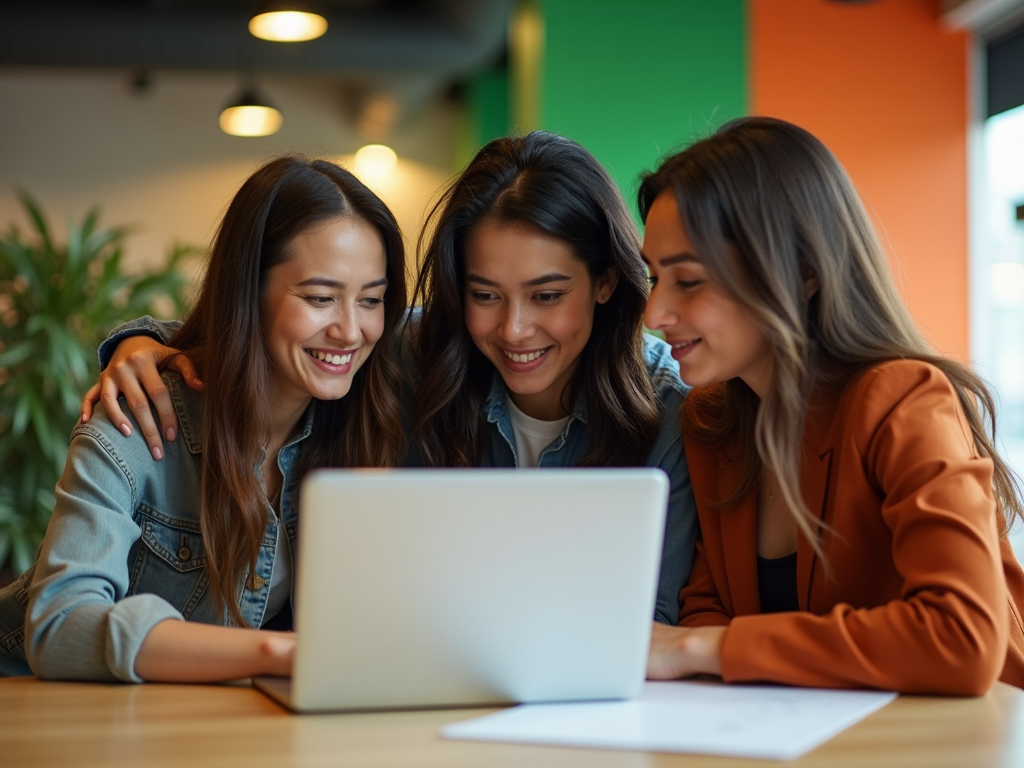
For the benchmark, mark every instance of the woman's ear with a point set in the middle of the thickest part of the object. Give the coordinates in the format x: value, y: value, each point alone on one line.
x: 606, y: 285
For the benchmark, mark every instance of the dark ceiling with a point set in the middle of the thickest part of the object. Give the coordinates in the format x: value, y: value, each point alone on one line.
x: 404, y: 51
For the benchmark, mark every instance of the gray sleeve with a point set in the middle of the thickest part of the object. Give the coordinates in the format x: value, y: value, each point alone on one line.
x: 681, y: 517
x: 80, y: 623
x: 161, y: 330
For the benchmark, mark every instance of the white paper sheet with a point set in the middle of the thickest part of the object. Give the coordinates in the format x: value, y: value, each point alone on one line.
x: 767, y: 722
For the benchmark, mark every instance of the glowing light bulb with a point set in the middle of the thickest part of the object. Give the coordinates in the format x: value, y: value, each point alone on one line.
x: 375, y: 160
x: 287, y: 26
x: 251, y: 120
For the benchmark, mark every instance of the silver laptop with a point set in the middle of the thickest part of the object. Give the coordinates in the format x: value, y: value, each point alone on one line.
x: 447, y: 588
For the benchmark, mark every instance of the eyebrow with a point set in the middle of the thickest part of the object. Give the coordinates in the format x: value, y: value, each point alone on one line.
x: 679, y: 258
x: 551, y: 277
x: 327, y: 282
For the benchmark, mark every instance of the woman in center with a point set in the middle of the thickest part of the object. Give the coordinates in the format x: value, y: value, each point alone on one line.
x: 530, y: 347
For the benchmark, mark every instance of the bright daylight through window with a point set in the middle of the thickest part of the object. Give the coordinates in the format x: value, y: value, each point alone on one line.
x: 999, y: 346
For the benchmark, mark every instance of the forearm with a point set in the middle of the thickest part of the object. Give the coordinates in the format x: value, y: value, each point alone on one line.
x: 180, y: 651
x: 81, y: 623
x: 920, y: 645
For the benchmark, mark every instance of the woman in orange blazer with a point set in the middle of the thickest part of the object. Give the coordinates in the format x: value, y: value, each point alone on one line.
x: 853, y: 510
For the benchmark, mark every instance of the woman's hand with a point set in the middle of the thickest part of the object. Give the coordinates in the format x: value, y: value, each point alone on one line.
x: 683, y: 651
x: 279, y: 650
x: 133, y: 371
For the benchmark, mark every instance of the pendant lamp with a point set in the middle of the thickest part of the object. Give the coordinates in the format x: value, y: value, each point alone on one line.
x: 250, y: 115
x: 287, y: 22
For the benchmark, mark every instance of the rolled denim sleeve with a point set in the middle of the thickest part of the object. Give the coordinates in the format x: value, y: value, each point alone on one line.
x: 681, y: 515
x: 80, y: 622
x: 161, y: 330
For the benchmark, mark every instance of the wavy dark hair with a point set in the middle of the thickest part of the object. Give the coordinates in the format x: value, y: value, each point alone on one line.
x: 768, y: 206
x: 552, y: 184
x: 223, y: 336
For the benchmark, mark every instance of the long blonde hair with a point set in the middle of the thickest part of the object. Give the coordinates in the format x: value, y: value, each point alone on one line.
x: 769, y: 206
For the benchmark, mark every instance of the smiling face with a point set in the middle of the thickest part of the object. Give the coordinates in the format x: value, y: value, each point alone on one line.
x: 323, y: 311
x: 530, y: 310
x: 713, y: 337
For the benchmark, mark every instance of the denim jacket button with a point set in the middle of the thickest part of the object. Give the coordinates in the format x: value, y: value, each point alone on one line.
x: 184, y: 553
x: 255, y: 582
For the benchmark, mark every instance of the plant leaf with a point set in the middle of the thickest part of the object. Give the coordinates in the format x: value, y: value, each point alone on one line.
x: 37, y: 218
x: 65, y: 300
x: 17, y: 354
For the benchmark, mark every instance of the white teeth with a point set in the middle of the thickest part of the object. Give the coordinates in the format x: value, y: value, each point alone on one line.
x: 332, y: 359
x: 528, y: 357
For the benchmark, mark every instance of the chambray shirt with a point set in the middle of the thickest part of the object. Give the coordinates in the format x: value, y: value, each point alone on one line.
x: 124, y: 551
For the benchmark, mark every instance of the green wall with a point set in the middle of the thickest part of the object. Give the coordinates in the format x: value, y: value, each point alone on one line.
x: 633, y: 79
x: 486, y: 115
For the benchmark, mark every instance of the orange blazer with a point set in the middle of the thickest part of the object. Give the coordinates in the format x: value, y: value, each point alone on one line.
x: 922, y: 592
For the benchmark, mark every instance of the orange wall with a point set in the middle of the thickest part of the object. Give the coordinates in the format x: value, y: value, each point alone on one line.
x: 885, y: 87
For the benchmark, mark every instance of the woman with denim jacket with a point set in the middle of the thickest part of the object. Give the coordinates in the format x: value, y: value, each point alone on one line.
x: 529, y: 349
x: 165, y: 571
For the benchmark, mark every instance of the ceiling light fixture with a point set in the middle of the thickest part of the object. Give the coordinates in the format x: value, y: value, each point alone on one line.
x: 250, y: 115
x: 287, y: 22
x: 375, y: 161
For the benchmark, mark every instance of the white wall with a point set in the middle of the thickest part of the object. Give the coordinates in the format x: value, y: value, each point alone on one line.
x: 159, y: 161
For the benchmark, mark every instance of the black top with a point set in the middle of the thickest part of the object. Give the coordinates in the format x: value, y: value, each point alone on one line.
x: 776, y: 583
x: 282, y: 620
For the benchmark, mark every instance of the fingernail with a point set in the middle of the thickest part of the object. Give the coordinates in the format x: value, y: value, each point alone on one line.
x: 84, y: 418
x: 158, y: 452
x: 169, y: 434
x: 126, y: 430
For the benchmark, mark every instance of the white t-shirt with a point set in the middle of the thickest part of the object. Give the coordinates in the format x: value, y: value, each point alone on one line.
x: 532, y: 435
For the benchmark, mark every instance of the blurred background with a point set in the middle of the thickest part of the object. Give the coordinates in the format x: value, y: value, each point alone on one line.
x: 125, y: 105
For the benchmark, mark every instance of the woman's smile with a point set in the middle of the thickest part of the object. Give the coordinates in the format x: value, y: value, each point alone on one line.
x: 332, y: 360
x: 524, y: 360
x: 681, y: 349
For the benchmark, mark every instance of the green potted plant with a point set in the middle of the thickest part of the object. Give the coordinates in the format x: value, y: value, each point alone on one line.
x: 57, y: 303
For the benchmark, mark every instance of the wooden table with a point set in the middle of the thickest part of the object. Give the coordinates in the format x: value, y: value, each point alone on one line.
x: 44, y: 724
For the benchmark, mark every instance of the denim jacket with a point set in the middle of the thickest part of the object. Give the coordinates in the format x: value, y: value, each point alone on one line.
x: 568, y: 449
x: 123, y: 551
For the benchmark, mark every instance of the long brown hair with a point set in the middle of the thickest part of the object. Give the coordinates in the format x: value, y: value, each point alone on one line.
x: 224, y: 338
x: 769, y: 206
x: 554, y: 185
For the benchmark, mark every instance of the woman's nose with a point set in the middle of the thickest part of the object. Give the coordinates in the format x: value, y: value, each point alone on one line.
x: 345, y: 328
x: 516, y: 323
x: 656, y: 314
